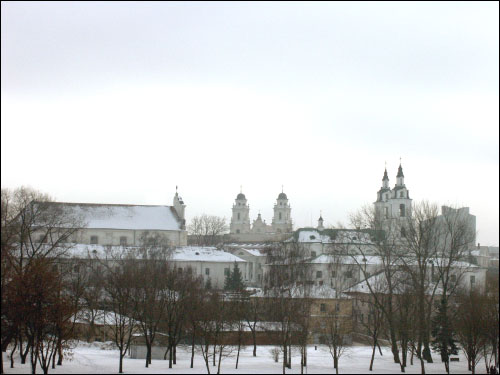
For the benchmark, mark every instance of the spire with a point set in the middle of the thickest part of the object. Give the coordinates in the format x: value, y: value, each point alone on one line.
x: 400, y: 171
x: 386, y: 177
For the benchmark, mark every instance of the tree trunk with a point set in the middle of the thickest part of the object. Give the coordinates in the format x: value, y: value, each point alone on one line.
x: 285, y: 355
x: 289, y: 356
x: 26, y: 351
x: 394, y: 345
x: 171, y: 355
x: 422, y: 365
x: 34, y: 358
x: 305, y: 355
x: 426, y: 353
x: 254, y: 336
x: 59, y: 352
x: 302, y: 360
x: 238, y: 355
x: 336, y: 363
x: 121, y: 363
x: 192, y: 348
x: 220, y: 358
x: 213, y: 356
x: 373, y: 355
x: 148, y: 351
x: 175, y: 353
x: 11, y: 355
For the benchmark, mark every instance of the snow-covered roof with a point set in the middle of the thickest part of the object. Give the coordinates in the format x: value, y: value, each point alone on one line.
x: 313, y: 291
x: 327, y: 236
x: 121, y: 216
x: 255, y: 252
x: 101, y: 317
x: 346, y: 259
x: 203, y: 254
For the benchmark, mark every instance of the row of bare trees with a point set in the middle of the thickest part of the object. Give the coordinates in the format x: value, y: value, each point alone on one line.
x: 37, y: 301
x: 419, y: 296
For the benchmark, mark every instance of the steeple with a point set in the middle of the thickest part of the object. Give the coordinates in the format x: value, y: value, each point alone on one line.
x: 385, y: 179
x: 320, y: 222
x: 400, y: 176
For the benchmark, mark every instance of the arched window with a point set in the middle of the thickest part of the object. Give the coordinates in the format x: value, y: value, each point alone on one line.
x: 402, y: 194
x: 280, y: 215
x: 237, y: 231
x: 401, y: 210
x: 238, y: 216
x: 403, y: 232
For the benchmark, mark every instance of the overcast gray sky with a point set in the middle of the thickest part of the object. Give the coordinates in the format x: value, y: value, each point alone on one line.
x: 120, y: 102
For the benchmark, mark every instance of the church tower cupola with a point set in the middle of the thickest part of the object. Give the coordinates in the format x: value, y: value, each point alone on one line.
x: 240, y: 220
x: 282, y: 220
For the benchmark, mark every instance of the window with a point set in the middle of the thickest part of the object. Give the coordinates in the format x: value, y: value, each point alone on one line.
x: 386, y: 196
x: 319, y: 274
x: 386, y: 212
x: 123, y: 241
x: 226, y: 271
x: 179, y: 270
x: 237, y: 231
x: 42, y: 238
x: 207, y: 271
x: 472, y: 280
x: 348, y: 275
x: 453, y: 278
x: 280, y: 215
x: 238, y: 216
x: 401, y: 194
x: 403, y: 232
x: 313, y: 254
x: 94, y: 240
x: 402, y: 210
x: 334, y: 274
x: 76, y: 268
x: 337, y: 307
x: 322, y: 307
x: 320, y: 283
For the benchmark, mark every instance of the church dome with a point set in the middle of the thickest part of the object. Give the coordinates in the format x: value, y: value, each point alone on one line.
x: 282, y: 196
x: 241, y: 196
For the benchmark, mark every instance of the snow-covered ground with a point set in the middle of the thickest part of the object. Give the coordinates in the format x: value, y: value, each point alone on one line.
x: 99, y: 358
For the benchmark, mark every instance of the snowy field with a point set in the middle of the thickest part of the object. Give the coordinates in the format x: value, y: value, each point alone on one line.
x: 94, y: 359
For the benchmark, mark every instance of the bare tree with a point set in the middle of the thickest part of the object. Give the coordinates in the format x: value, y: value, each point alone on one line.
x: 471, y: 325
x: 206, y: 230
x: 33, y: 228
x: 119, y: 291
x: 288, y: 277
x: 252, y: 312
x: 335, y: 330
x: 149, y: 294
x: 385, y: 247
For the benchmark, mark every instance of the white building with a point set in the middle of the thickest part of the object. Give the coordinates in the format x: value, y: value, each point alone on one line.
x: 123, y: 224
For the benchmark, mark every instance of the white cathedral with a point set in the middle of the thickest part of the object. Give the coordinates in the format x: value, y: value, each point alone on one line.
x: 259, y: 230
